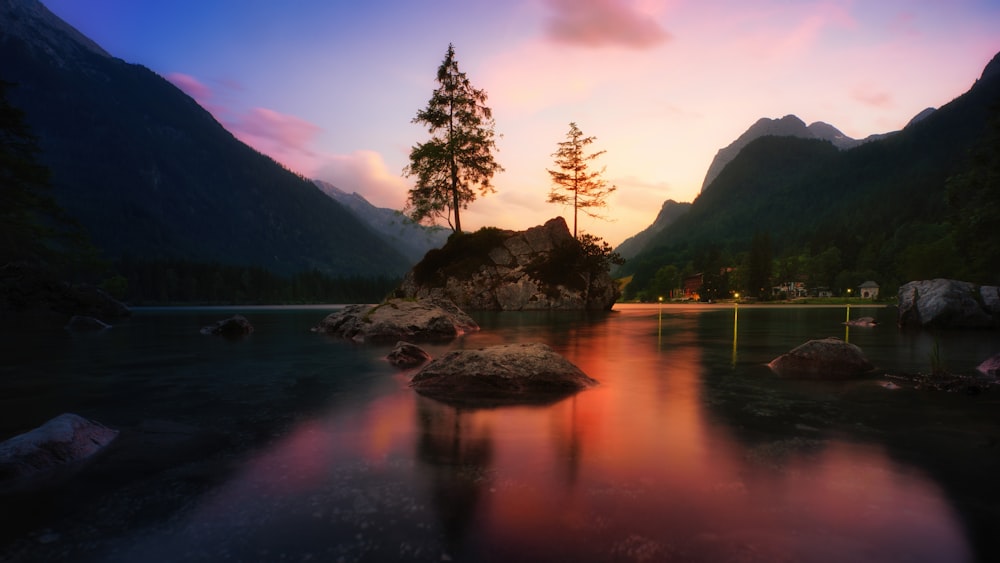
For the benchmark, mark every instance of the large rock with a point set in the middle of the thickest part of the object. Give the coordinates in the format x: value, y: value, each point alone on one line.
x: 943, y: 303
x: 500, y: 375
x: 60, y: 442
x: 828, y: 358
x: 543, y: 267
x: 399, y: 319
x: 990, y: 366
x: 234, y: 326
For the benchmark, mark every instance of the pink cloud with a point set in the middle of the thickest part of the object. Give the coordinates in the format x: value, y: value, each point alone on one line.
x: 600, y: 23
x: 291, y: 133
x: 285, y: 138
x: 365, y: 172
x: 872, y: 97
x: 191, y: 86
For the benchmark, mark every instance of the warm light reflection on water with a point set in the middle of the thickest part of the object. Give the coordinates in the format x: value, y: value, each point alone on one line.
x: 642, y: 468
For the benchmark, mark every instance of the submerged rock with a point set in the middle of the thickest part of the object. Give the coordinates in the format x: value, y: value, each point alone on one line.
x: 944, y: 303
x: 237, y: 325
x: 862, y: 321
x: 399, y: 319
x: 407, y: 355
x: 501, y: 375
x: 62, y: 441
x: 82, y: 323
x: 825, y: 358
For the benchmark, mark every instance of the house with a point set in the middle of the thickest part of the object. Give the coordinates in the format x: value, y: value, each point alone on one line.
x: 868, y: 290
x: 692, y: 285
x: 789, y: 290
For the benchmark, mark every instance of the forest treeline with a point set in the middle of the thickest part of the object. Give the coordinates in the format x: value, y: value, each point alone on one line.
x: 166, y: 282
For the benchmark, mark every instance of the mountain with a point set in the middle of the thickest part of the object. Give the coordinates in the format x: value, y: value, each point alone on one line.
x: 151, y: 175
x: 669, y: 213
x: 788, y: 126
x: 879, y: 208
x: 411, y: 239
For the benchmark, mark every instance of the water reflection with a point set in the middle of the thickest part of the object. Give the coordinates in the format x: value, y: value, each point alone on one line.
x: 456, y: 451
x: 847, y: 324
x: 736, y: 324
x: 653, y: 464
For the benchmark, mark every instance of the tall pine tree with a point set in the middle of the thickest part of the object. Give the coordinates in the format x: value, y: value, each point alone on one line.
x: 459, y: 156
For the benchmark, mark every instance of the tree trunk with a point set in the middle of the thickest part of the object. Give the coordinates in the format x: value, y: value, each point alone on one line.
x: 454, y: 195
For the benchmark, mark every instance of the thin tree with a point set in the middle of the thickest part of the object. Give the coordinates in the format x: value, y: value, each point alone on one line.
x: 459, y: 156
x: 574, y: 182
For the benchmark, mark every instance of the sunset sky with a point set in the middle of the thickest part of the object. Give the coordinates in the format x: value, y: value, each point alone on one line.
x: 329, y: 88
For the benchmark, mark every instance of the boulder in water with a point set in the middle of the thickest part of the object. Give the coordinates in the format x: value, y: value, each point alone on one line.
x: 60, y: 442
x: 237, y: 325
x: 399, y: 319
x: 943, y: 303
x: 827, y: 358
x: 501, y: 375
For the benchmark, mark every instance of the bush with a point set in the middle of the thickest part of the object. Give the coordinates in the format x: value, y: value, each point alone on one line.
x: 461, y: 256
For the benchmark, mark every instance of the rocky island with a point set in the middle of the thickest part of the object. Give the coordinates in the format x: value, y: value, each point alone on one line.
x: 540, y: 268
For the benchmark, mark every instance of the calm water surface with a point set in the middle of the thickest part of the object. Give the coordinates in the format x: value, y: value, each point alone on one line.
x: 292, y: 446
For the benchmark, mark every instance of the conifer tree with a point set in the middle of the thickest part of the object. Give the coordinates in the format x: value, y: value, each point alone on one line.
x: 574, y: 183
x: 458, y: 158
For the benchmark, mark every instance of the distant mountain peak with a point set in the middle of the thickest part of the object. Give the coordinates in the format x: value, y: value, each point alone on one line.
x: 787, y: 126
x: 411, y: 239
x: 669, y: 213
x: 992, y: 68
x: 33, y: 23
x: 920, y: 117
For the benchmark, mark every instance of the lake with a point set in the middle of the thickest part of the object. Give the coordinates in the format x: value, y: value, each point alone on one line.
x: 292, y: 446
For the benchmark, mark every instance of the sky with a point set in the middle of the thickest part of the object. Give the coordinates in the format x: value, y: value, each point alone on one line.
x: 329, y: 88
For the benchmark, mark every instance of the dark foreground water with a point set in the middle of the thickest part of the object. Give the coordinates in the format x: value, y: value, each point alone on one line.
x: 292, y: 446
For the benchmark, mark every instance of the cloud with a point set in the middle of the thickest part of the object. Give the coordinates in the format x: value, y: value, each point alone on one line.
x: 285, y: 138
x: 291, y: 133
x: 601, y: 23
x: 365, y: 172
x: 291, y: 140
x: 191, y: 86
x: 638, y: 194
x: 872, y: 98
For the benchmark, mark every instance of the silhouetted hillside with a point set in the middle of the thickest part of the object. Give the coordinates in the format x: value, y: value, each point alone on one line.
x: 151, y: 175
